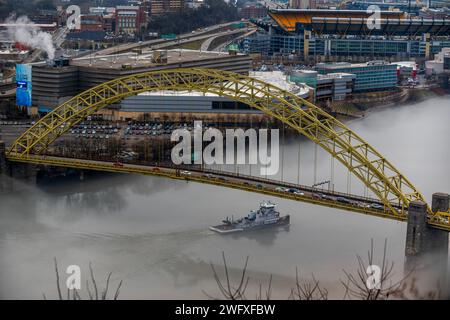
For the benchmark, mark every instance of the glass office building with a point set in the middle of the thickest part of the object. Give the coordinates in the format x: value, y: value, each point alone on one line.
x: 370, y: 76
x: 373, y: 48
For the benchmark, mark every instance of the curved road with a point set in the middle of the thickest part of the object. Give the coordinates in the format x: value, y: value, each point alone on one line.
x: 207, y: 43
x: 205, y: 33
x: 222, y: 46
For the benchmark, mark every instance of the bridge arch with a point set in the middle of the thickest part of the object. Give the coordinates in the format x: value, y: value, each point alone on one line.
x: 363, y: 161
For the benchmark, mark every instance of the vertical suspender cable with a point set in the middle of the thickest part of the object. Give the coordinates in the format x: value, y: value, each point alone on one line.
x: 298, y: 157
x: 332, y: 174
x: 282, y: 152
x: 315, y: 163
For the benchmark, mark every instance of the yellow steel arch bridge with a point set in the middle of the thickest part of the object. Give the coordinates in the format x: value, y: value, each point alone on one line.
x: 391, y: 187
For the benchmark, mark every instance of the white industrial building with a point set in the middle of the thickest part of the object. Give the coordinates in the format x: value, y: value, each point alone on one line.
x: 198, y: 102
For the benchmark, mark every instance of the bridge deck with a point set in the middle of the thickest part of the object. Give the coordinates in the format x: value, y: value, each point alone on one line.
x: 232, y: 180
x: 226, y: 179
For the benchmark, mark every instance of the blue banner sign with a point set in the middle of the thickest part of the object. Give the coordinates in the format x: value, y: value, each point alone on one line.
x: 23, y: 81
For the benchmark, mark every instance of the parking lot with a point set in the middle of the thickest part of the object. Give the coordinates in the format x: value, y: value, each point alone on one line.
x: 131, y: 130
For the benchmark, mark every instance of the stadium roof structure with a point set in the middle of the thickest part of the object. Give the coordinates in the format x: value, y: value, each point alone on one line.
x: 388, y: 27
x: 354, y: 22
x: 289, y: 18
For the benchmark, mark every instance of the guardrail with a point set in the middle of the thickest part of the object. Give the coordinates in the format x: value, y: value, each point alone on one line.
x: 175, y: 172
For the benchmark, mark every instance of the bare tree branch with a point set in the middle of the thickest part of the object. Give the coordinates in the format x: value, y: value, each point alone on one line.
x: 229, y: 291
x: 356, y: 285
x: 57, y: 280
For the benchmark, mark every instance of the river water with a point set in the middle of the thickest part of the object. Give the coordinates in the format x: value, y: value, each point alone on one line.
x: 152, y: 233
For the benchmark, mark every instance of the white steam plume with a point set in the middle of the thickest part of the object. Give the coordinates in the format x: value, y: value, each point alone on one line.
x: 24, y: 32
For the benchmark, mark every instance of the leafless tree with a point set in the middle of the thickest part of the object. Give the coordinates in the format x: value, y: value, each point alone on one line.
x: 74, y: 294
x: 307, y: 290
x: 304, y: 290
x: 357, y: 285
x: 229, y: 291
x: 267, y: 292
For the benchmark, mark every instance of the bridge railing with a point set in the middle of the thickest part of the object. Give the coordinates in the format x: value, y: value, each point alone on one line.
x: 202, y: 169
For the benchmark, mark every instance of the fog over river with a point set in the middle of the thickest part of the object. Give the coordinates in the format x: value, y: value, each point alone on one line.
x: 153, y: 234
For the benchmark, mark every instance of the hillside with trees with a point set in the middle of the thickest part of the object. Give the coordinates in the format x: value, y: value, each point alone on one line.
x: 212, y: 12
x: 23, y: 7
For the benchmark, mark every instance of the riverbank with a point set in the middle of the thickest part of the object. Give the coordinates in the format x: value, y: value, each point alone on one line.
x: 361, y: 108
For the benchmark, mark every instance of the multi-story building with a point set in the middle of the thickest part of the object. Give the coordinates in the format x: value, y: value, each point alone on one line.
x: 158, y: 7
x: 109, y: 22
x: 411, y: 7
x: 447, y: 62
x: 47, y: 17
x: 102, y: 11
x: 441, y: 13
x: 54, y: 84
x: 358, y: 49
x: 194, y: 4
x: 95, y: 22
x: 204, y: 104
x: 91, y: 22
x: 130, y: 19
x: 105, y: 15
x: 327, y: 87
x: 370, y: 76
x: 437, y: 66
x: 253, y: 11
x: 302, y: 4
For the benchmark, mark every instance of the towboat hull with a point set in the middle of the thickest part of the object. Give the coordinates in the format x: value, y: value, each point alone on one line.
x: 232, y: 228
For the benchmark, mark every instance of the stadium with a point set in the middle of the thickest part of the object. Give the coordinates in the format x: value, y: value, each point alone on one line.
x: 337, y: 35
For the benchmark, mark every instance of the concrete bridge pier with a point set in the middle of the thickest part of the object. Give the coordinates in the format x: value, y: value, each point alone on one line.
x: 2, y: 157
x: 426, y: 248
x: 15, y: 176
x: 5, y: 181
x: 444, y: 80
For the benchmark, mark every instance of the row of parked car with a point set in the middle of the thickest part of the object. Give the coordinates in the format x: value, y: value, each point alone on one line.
x: 154, y: 128
x: 15, y: 123
x: 95, y: 130
x: 156, y: 132
x: 133, y: 128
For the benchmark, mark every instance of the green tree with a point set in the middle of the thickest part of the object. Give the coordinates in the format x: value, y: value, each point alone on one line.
x: 212, y: 12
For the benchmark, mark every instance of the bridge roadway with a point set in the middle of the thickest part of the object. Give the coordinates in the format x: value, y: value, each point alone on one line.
x: 186, y: 37
x: 208, y: 37
x: 221, y: 47
x: 7, y: 90
x: 226, y: 179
